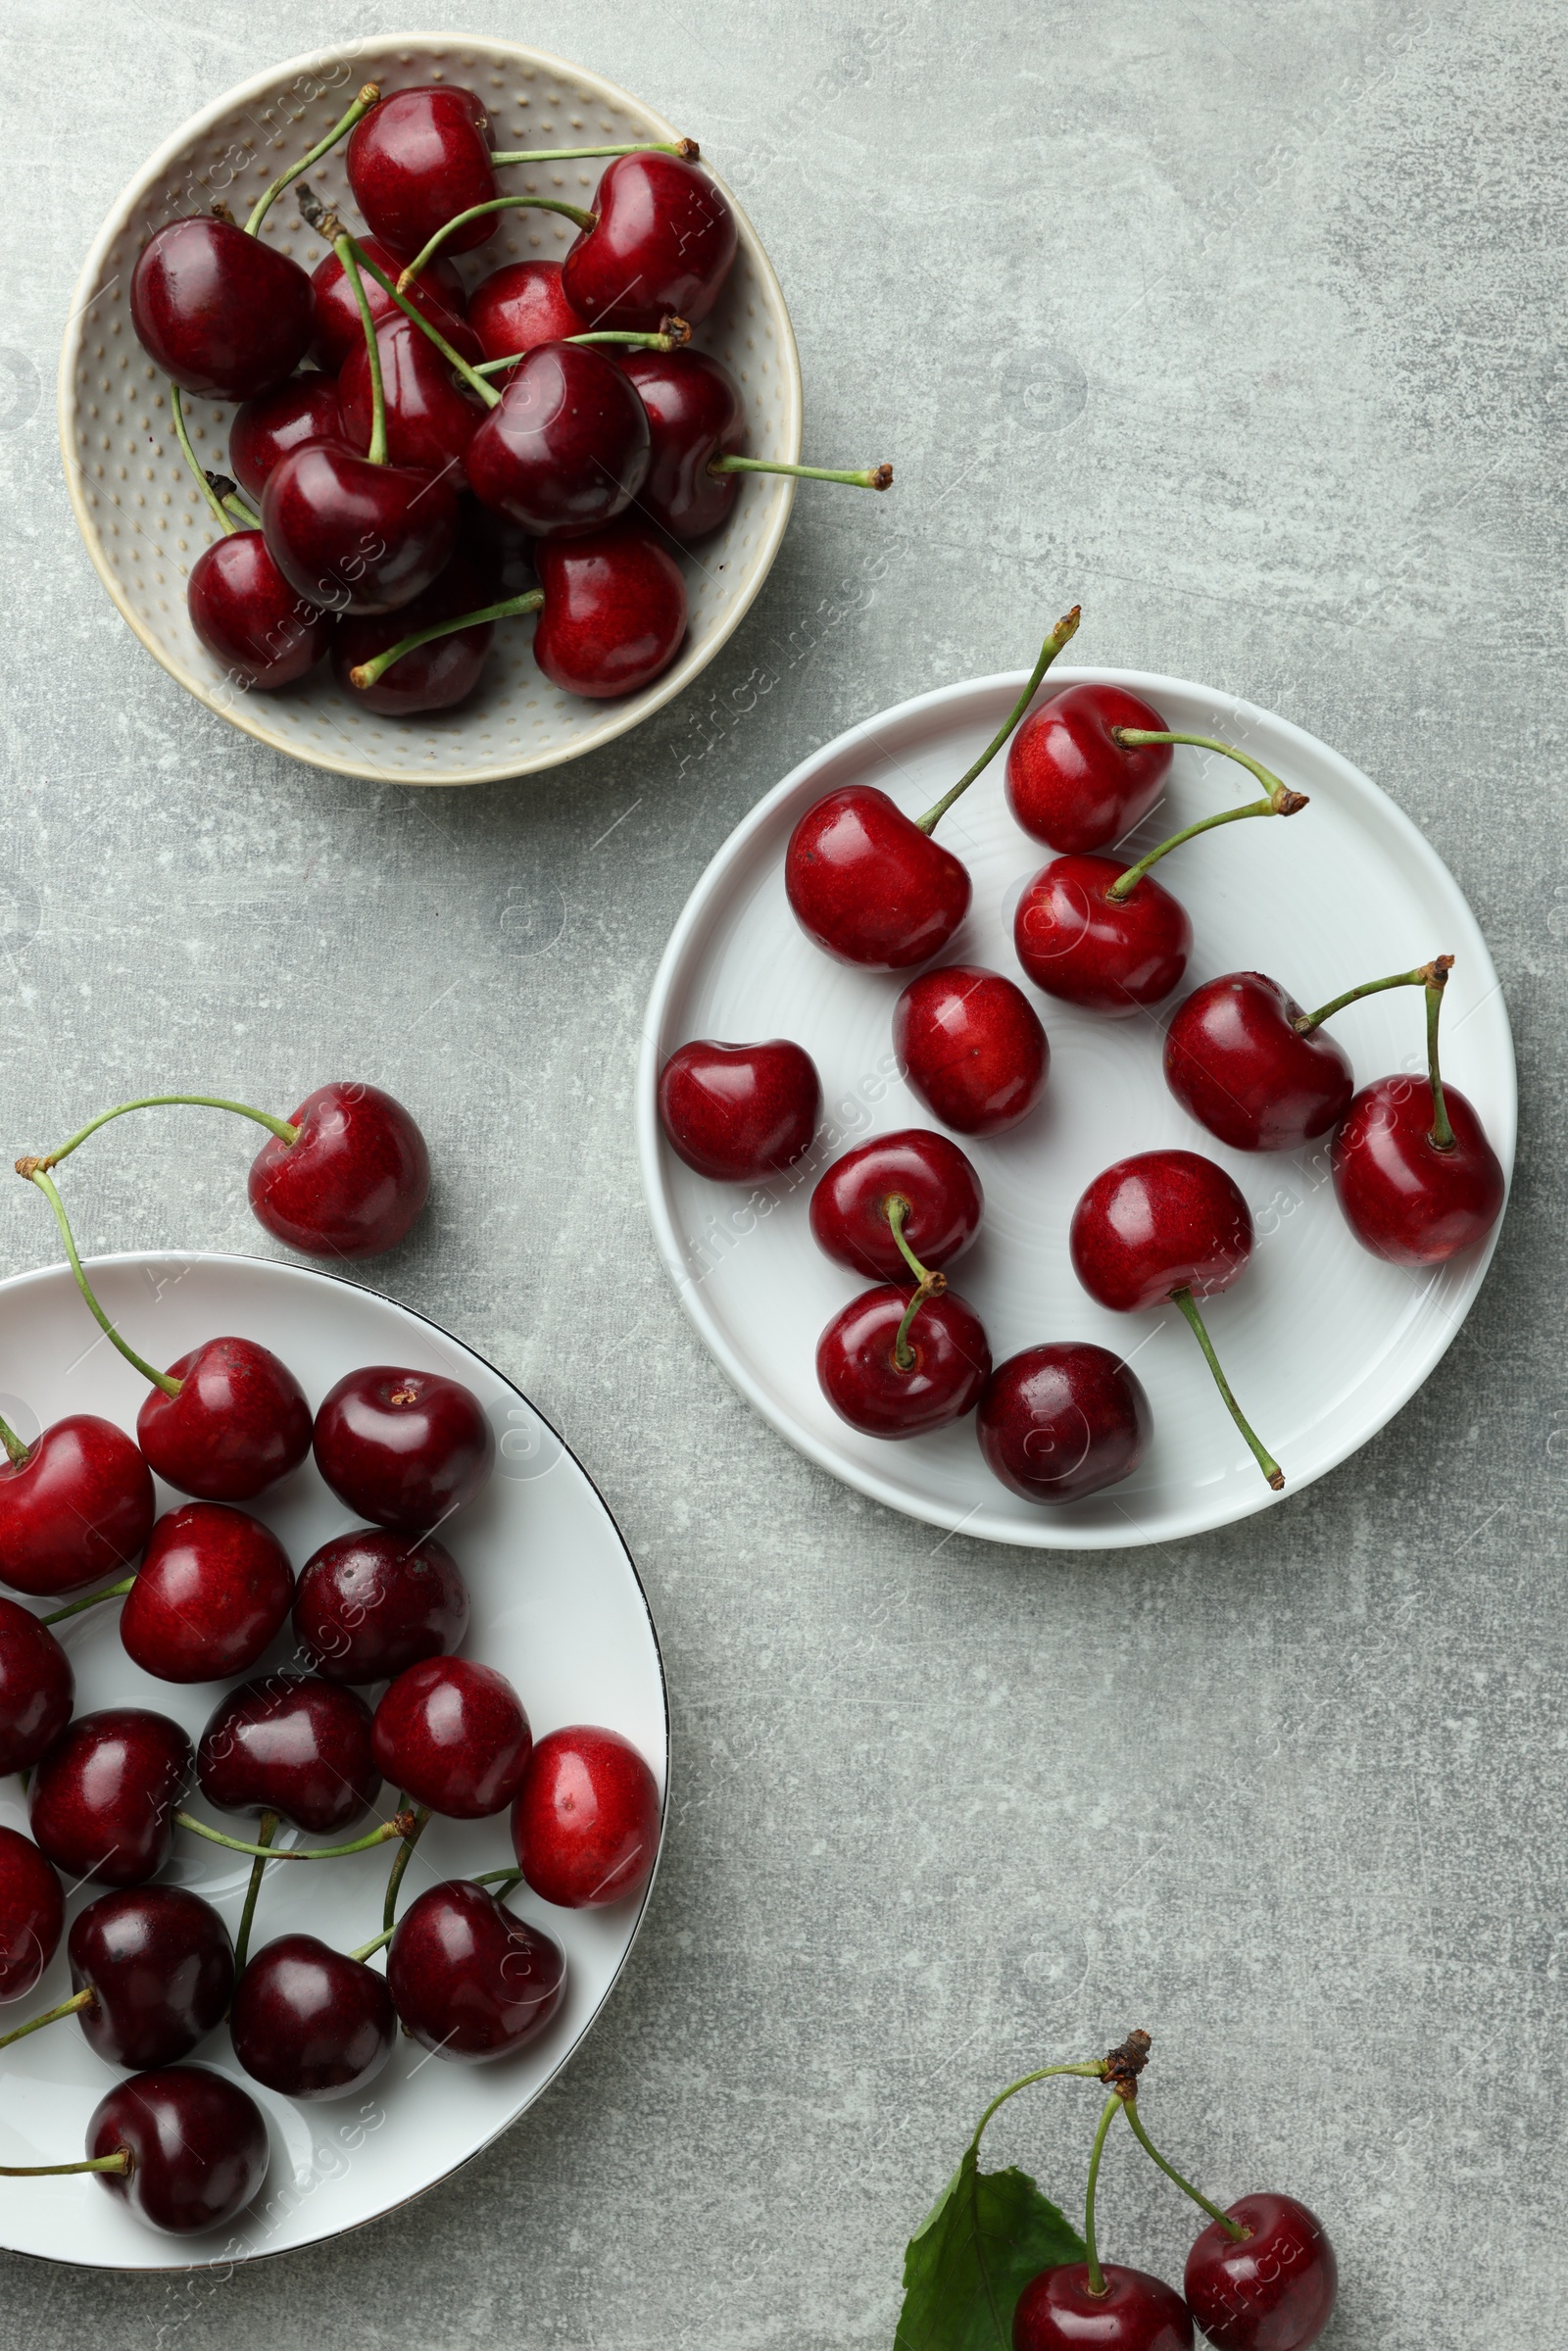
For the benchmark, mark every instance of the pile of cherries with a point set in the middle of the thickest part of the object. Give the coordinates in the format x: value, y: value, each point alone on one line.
x: 543, y: 441
x: 371, y: 1694
x: 1412, y: 1170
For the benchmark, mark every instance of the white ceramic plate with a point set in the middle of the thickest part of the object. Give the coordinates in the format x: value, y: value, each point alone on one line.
x: 1322, y: 1342
x: 145, y: 522
x: 557, y: 1606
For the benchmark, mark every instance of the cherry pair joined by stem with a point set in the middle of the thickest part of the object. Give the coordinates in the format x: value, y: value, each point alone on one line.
x: 152, y: 1971
x: 184, y: 2148
x: 76, y: 1504
x: 740, y: 1113
x: 899, y: 1360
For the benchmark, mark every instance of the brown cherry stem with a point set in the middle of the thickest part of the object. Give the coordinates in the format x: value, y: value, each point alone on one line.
x: 389, y: 1908
x: 1421, y: 977
x: 685, y: 150
x: 1281, y: 801
x: 50, y: 2016
x: 45, y: 1183
x: 868, y: 477
x: 399, y: 1825
x: 361, y: 106
x: 267, y: 1830
x: 279, y: 1127
x: 1184, y: 1301
x: 111, y: 1591
x: 366, y: 673
x: 1233, y: 2228
x: 927, y: 1285
x: 1065, y: 629
x: 478, y: 211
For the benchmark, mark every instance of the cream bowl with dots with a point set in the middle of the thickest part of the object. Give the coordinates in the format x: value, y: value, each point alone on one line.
x: 145, y: 520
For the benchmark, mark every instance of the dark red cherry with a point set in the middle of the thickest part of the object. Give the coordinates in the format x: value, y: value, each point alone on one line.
x: 437, y: 293
x: 739, y: 1114
x: 213, y: 1588
x: 856, y: 1369
x: 662, y: 240
x: 102, y: 1799
x: 352, y: 1182
x: 471, y: 1981
x: 311, y: 2022
x: 1274, y: 2291
x: 239, y: 1423
x: 1159, y: 1221
x: 1062, y: 1421
x: 79, y: 1507
x: 250, y: 617
x: 37, y: 1687
x: 942, y: 1193
x: 293, y: 1744
x: 520, y: 304
x: 1234, y: 1060
x: 431, y: 414
x: 271, y: 426
x: 695, y: 413
x: 403, y: 1449
x: 433, y: 677
x: 197, y: 2145
x: 971, y: 1046
x: 160, y: 1966
x: 1056, y: 2312
x: 219, y: 310
x: 1069, y: 783
x: 355, y: 537
x: 585, y: 1821
x: 870, y: 886
x: 417, y: 158
x: 32, y: 1914
x: 372, y: 1603
x: 1113, y: 955
x: 1403, y: 1198
x: 567, y: 449
x: 614, y: 614
x: 454, y: 1734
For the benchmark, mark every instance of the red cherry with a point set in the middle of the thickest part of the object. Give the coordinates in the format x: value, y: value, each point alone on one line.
x: 431, y: 677
x: 403, y: 1449
x: 436, y: 293
x: 219, y: 310
x: 519, y: 306
x: 197, y: 2147
x: 663, y: 240
x: 1113, y: 955
x: 160, y: 1966
x: 431, y: 414
x: 102, y: 1799
x: 355, y: 537
x: 215, y: 1587
x: 272, y: 425
x: 352, y: 1182
x: 1135, y: 2313
x: 739, y: 1114
x: 1235, y: 1060
x: 372, y: 1604
x: 32, y: 1914
x: 1070, y: 783
x: 239, y: 1423
x: 585, y: 1821
x: 292, y: 1744
x: 971, y: 1048
x: 250, y: 617
x: 1274, y: 2291
x: 1160, y: 1221
x: 78, y: 1505
x: 857, y: 1370
x: 37, y: 1687
x: 471, y: 1981
x: 1060, y: 1422
x: 567, y: 449
x: 1403, y: 1198
x: 453, y: 1733
x: 310, y: 2021
x: 849, y: 1214
x: 614, y: 614
x: 870, y: 886
x: 695, y: 413
x: 416, y: 160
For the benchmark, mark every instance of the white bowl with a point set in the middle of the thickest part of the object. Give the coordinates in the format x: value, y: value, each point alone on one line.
x: 145, y: 521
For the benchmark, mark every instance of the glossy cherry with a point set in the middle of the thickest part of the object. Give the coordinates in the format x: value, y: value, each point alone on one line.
x: 436, y: 676
x: 219, y: 310
x: 271, y: 426
x: 311, y: 2022
x: 372, y: 1604
x: 32, y: 1914
x: 196, y: 2142
x: 585, y: 1821
x: 1405, y: 1199
x: 471, y: 1981
x: 417, y: 158
x: 971, y: 1048
x: 76, y: 1507
x: 870, y: 886
x: 239, y: 1423
x: 437, y: 293
x: 1063, y: 1421
x: 567, y: 449
x: 859, y: 1371
x: 431, y: 414
x: 1070, y: 783
x: 250, y: 617
x: 353, y: 1181
x: 663, y: 240
x: 1237, y: 1061
x: 1274, y: 2291
x: 37, y: 1687
x: 293, y: 1744
x: 518, y: 305
x: 160, y: 1968
x: 453, y: 1733
x: 101, y: 1798
x: 213, y: 1589
x: 740, y: 1113
x: 355, y: 537
x: 1106, y: 955
x: 1135, y: 2312
x: 694, y: 415
x: 403, y: 1449
x: 614, y: 614
x: 943, y: 1203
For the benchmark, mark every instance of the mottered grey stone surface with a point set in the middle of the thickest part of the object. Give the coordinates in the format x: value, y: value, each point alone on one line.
x: 1242, y: 325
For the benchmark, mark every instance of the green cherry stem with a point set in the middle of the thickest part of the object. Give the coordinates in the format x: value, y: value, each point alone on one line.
x: 478, y: 211
x: 45, y: 1184
x: 1440, y: 1133
x: 361, y: 106
x: 868, y: 477
x: 1107, y: 2115
x: 176, y: 408
x: 158, y: 1101
x: 686, y: 150
x: 399, y: 1825
x: 1094, y: 2069
x: 1065, y: 629
x: 111, y: 1591
x: 16, y: 1451
x: 50, y: 2016
x: 1184, y: 1301
x: 672, y: 336
x: 1233, y: 2228
x: 267, y: 1830
x: 366, y: 673
x: 1421, y: 977
x: 1281, y: 801
x: 120, y: 2160
x: 505, y: 1879
x: 366, y: 1951
x: 229, y: 497
x: 389, y: 1908
x: 343, y: 247
x: 927, y: 1285
x: 327, y: 224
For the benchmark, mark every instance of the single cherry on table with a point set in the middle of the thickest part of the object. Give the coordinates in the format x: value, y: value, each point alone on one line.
x: 102, y: 1799
x: 614, y: 611
x: 471, y: 1981
x: 585, y: 1819
x: 310, y: 2021
x: 922, y: 1173
x: 453, y: 1733
x: 32, y: 1914
x: 76, y: 1504
x: 972, y: 1048
x: 293, y: 1744
x: 37, y: 1687
x: 403, y: 1449
x: 902, y: 1360
x: 740, y: 1113
x: 213, y: 1589
x: 1060, y: 1422
x: 1245, y: 1059
x: 349, y: 1180
x: 372, y: 1604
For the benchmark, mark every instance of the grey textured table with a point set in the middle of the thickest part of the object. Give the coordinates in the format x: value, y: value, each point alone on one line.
x: 1242, y: 325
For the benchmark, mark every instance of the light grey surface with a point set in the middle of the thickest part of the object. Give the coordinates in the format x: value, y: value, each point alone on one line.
x: 1241, y: 325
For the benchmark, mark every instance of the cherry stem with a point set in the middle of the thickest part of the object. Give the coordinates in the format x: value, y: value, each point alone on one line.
x: 505, y: 1879
x: 120, y: 2160
x: 228, y: 498
x: 17, y: 1452
x: 176, y: 408
x: 672, y: 336
x: 267, y: 1830
x: 366, y: 673
x: 686, y: 150
x: 1421, y: 978
x: 327, y: 224
x: 929, y: 1285
x: 870, y: 478
x: 896, y: 1209
x: 343, y: 247
x: 1096, y: 2276
x: 361, y: 106
x: 50, y: 2016
x: 111, y: 1591
x: 389, y: 1908
x: 399, y: 1825
x: 1233, y: 2228
x: 1093, y: 2071
x: 160, y: 1102
x: 1188, y: 1305
x: 1281, y: 801
x: 1440, y: 1133
x: 478, y: 211
x: 1065, y: 628
x: 46, y: 1184
x: 374, y: 1945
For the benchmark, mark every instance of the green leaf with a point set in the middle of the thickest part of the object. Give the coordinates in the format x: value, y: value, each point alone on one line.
x: 971, y: 2257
